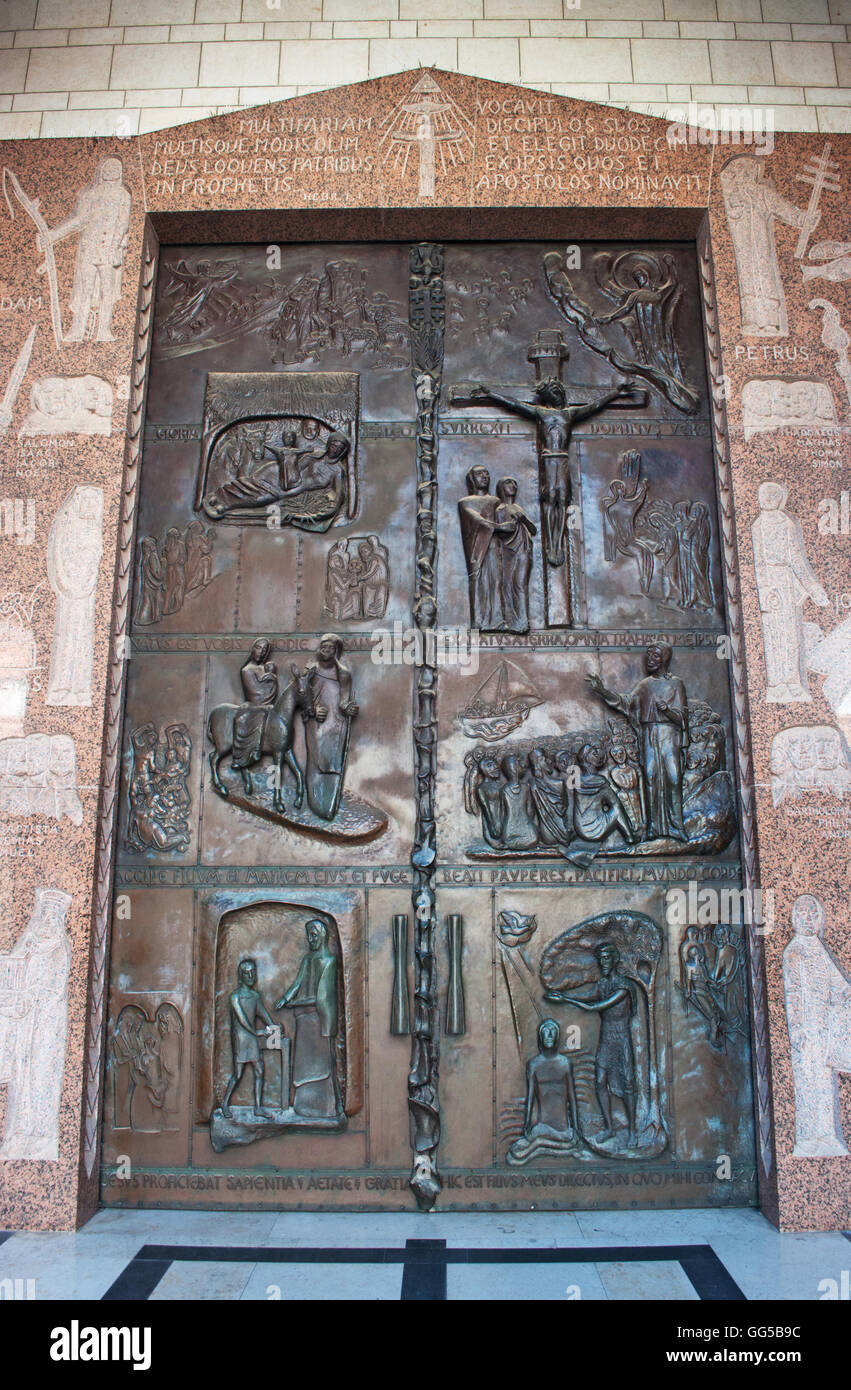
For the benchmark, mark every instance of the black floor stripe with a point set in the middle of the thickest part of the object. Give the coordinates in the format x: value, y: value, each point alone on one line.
x: 711, y: 1279
x: 138, y: 1281
x: 4, y: 1235
x: 425, y: 1263
x: 424, y: 1273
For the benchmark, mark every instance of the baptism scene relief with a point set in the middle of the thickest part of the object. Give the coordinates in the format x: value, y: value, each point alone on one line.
x: 350, y: 452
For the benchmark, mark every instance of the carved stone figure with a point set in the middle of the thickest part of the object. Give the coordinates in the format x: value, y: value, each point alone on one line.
x: 551, y: 1119
x: 100, y: 220
x: 830, y: 656
x: 74, y: 549
x: 17, y: 660
x: 313, y: 998
x: 16, y: 379
x: 158, y: 795
x: 781, y: 404
x: 69, y: 405
x: 752, y: 204
x: 834, y: 259
x: 784, y: 582
x: 33, y: 1024
x: 146, y: 1061
x: 836, y: 340
x: 658, y: 711
x: 818, y: 1015
x: 434, y: 125
x: 38, y: 776
x: 246, y: 1006
x: 808, y: 758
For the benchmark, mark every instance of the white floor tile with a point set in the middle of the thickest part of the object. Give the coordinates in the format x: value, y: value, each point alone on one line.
x: 784, y: 1266
x: 647, y: 1281
x: 563, y: 1283
x: 47, y: 1247
x: 202, y: 1280
x: 666, y: 1227
x: 390, y: 1229
x: 186, y: 1227
x: 318, y: 1282
x: 71, y: 1276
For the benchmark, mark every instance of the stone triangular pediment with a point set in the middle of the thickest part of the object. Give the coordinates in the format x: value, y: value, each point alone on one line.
x: 424, y: 138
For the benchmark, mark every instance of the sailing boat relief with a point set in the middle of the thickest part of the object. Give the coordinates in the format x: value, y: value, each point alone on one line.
x: 500, y: 705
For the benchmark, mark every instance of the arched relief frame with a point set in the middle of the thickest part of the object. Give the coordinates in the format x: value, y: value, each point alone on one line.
x: 413, y: 225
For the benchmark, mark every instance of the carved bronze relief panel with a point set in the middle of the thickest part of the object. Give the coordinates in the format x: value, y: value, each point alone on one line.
x: 428, y: 741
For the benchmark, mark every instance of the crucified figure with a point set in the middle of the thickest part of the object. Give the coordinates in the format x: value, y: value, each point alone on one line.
x: 555, y: 420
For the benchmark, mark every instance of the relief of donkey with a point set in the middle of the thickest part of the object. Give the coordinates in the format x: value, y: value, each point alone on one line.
x: 276, y: 741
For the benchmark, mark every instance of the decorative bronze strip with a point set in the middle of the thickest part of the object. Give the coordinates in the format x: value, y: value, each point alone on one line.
x: 426, y: 316
x: 738, y: 682
x: 111, y: 757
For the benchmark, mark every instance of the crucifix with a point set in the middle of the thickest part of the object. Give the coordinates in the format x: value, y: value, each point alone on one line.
x: 558, y: 477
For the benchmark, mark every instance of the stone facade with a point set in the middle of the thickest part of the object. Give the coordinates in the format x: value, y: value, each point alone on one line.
x: 76, y: 308
x: 106, y: 67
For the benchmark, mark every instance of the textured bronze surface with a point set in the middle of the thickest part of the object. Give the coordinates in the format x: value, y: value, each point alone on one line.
x: 550, y: 811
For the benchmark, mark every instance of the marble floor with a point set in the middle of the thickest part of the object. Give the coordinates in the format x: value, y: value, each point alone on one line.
x: 631, y: 1255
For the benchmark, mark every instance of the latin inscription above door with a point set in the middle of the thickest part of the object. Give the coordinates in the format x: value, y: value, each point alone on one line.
x: 428, y: 744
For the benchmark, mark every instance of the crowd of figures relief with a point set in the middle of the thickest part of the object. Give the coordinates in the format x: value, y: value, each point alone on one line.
x: 654, y: 782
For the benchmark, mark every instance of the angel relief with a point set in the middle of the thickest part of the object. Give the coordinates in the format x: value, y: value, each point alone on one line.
x: 196, y: 297
x: 638, y: 335
x: 279, y: 449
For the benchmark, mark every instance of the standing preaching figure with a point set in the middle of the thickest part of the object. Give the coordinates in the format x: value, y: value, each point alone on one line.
x: 658, y: 710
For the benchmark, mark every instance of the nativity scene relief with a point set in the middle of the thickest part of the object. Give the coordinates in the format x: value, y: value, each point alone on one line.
x: 279, y: 449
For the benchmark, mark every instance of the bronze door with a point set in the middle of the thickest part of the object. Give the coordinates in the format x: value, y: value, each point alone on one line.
x: 428, y: 871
